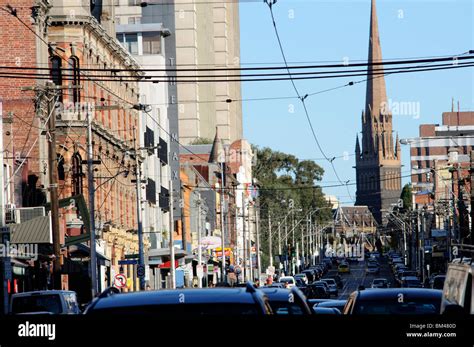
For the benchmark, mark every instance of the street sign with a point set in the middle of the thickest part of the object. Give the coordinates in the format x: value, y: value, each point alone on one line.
x: 200, y: 271
x: 141, y: 271
x: 120, y: 281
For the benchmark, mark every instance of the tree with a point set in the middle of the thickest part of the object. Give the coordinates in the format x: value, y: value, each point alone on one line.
x: 406, y: 196
x: 282, y: 177
x: 201, y: 141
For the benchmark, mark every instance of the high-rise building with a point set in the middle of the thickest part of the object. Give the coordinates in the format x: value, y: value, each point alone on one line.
x: 378, y: 164
x: 208, y: 36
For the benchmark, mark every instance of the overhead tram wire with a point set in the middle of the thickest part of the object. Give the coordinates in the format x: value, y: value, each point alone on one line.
x: 24, y: 71
x: 382, y: 63
x: 270, y: 4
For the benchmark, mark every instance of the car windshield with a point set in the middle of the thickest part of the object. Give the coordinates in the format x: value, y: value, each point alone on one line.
x: 202, y: 309
x: 285, y: 308
x: 37, y: 303
x: 380, y: 281
x: 329, y: 281
x: 411, y: 307
x: 286, y: 280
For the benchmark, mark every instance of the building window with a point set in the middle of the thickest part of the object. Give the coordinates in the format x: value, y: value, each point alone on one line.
x: 164, y: 199
x: 77, y: 174
x: 61, y: 175
x: 151, y: 43
x: 72, y: 74
x: 131, y: 20
x: 56, y: 74
x: 163, y: 151
x: 132, y: 2
x: 151, y: 191
x: 149, y: 140
x: 117, y: 21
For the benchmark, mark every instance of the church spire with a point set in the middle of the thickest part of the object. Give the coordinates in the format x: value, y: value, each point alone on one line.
x: 357, y: 149
x: 376, y: 95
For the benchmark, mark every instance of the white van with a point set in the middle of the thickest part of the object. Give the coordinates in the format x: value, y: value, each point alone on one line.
x: 45, y: 302
x: 458, y: 290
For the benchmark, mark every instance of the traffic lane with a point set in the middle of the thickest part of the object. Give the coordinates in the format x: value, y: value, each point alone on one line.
x: 352, y: 280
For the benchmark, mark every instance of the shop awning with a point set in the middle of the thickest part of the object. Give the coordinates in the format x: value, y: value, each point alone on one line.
x: 36, y: 230
x: 159, y: 256
x: 80, y: 250
x: 74, y: 240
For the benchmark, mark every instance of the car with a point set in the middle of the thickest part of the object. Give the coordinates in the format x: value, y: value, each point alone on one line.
x: 380, y: 283
x: 315, y: 302
x: 287, y: 301
x: 438, y: 282
x: 372, y: 269
x: 326, y: 310
x: 302, y: 276
x: 458, y: 290
x: 45, y: 302
x: 343, y: 268
x: 317, y: 291
x: 339, y: 304
x: 332, y: 286
x: 310, y: 275
x: 411, y: 282
x: 275, y: 285
x: 288, y: 281
x: 338, y: 279
x: 328, y: 263
x: 194, y: 302
x: 393, y: 301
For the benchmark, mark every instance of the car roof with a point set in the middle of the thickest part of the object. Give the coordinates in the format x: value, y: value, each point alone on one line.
x: 332, y: 303
x: 411, y: 278
x: 170, y: 297
x: 276, y: 294
x: 43, y: 292
x: 392, y: 293
x: 379, y: 279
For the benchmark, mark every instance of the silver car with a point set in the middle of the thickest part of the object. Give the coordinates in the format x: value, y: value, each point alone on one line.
x: 332, y: 285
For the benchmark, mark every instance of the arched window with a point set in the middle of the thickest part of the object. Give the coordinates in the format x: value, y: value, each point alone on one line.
x: 73, y: 79
x: 61, y: 175
x: 77, y: 174
x: 56, y: 74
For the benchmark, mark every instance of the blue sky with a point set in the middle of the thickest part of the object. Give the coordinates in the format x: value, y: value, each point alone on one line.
x: 329, y: 31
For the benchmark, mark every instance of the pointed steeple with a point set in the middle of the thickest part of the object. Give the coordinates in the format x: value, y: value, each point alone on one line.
x: 376, y: 94
x: 217, y: 154
x: 357, y: 149
x: 398, y: 150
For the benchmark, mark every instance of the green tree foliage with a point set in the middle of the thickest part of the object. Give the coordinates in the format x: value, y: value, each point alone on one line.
x: 283, y: 178
x: 406, y: 196
x: 201, y: 141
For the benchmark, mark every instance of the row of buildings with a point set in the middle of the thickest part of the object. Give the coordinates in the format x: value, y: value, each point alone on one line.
x: 85, y: 121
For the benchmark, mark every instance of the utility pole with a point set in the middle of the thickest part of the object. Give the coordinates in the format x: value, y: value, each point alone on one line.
x: 53, y: 184
x: 257, y: 245
x: 222, y: 223
x: 141, y: 257
x: 171, y: 241
x: 270, y: 238
x: 244, y: 239
x: 471, y: 172
x: 279, y: 240
x: 90, y: 187
x: 199, y: 240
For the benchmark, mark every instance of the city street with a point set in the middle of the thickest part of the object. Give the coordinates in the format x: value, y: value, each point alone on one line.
x: 358, y: 277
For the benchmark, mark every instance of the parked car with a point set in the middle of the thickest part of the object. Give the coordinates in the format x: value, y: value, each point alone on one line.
x: 458, y: 290
x: 411, y: 282
x: 310, y: 274
x: 339, y: 281
x: 184, y: 302
x: 394, y: 301
x: 438, y: 282
x: 372, y: 269
x: 380, y: 283
x: 315, y: 302
x: 317, y: 291
x: 343, y: 268
x: 288, y: 281
x: 328, y: 263
x: 45, y: 302
x: 326, y: 310
x: 302, y: 276
x: 287, y: 301
x: 332, y: 286
x: 339, y: 304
